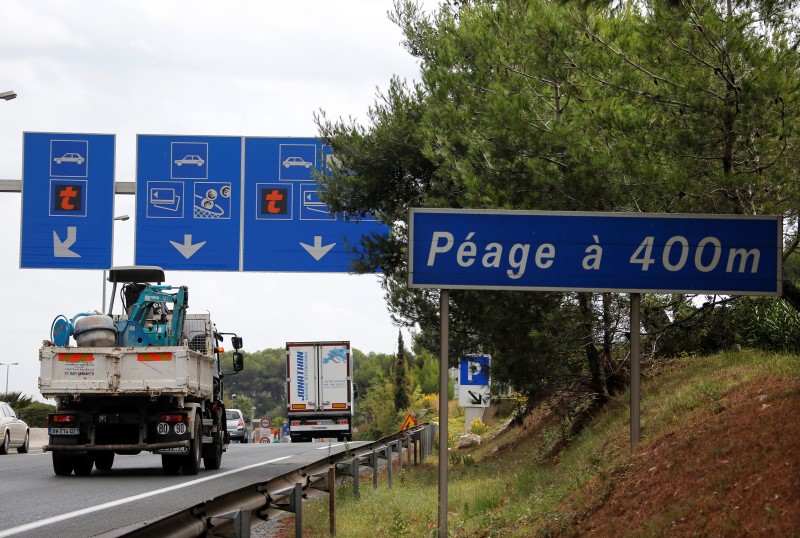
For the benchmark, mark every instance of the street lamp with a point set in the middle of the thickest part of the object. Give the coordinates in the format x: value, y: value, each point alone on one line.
x: 8, y: 365
x: 8, y: 96
x: 122, y: 218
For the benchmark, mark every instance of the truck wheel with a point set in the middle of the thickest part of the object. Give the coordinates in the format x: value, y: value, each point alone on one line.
x: 104, y: 461
x: 171, y: 464
x: 212, y: 454
x: 62, y: 464
x: 83, y: 463
x: 191, y: 461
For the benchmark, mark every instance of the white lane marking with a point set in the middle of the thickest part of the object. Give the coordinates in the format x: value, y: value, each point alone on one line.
x: 326, y: 447
x: 63, y: 517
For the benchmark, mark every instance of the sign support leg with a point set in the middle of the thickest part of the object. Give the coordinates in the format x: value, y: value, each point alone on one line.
x: 444, y: 317
x: 636, y: 299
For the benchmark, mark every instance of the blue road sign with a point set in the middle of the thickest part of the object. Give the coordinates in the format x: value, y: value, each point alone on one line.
x: 473, y: 380
x: 188, y: 200
x: 624, y: 252
x: 287, y: 226
x: 67, y: 201
x: 474, y: 370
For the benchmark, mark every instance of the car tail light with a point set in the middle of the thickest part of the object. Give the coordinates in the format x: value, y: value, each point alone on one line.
x: 171, y: 418
x: 62, y: 419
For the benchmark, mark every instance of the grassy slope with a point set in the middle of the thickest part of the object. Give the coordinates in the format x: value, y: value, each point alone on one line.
x: 718, y: 457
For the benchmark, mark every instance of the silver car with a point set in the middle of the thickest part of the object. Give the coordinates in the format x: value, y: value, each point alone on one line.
x: 237, y: 425
x: 14, y: 433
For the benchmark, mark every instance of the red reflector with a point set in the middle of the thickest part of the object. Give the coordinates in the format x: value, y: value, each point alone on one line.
x: 295, y: 423
x: 149, y: 357
x: 171, y: 418
x: 63, y: 418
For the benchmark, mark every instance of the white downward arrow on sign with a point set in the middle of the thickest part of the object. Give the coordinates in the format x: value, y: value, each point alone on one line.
x: 61, y: 248
x: 317, y: 251
x: 187, y: 248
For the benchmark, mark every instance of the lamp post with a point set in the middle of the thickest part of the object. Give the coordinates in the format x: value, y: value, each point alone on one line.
x: 8, y: 96
x: 122, y: 218
x: 8, y: 365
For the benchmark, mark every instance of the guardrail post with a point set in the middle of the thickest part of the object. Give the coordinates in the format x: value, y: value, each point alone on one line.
x: 399, y: 444
x: 374, y: 462
x: 388, y: 452
x: 332, y: 499
x: 415, y: 440
x: 296, y: 503
x: 408, y: 450
x: 355, y: 472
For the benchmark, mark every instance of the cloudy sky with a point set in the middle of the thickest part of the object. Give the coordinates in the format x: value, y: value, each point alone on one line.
x: 188, y: 67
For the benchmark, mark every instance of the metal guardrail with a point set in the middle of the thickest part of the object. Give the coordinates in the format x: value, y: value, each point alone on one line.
x: 235, y: 513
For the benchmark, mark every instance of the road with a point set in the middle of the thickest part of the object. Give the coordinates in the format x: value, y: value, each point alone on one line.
x: 35, y: 502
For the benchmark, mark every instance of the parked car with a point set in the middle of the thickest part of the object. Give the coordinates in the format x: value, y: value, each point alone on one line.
x: 14, y: 433
x: 238, y: 427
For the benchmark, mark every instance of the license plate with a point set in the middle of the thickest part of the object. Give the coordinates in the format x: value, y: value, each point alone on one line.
x: 63, y: 431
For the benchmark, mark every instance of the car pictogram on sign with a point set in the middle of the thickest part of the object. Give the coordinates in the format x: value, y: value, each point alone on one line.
x: 70, y: 158
x: 296, y: 161
x: 190, y: 159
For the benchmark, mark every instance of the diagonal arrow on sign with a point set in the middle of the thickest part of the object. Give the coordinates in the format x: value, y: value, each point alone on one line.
x: 317, y: 250
x: 187, y: 249
x: 61, y: 248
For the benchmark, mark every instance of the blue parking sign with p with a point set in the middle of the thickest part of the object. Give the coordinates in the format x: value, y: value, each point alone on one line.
x: 474, y: 370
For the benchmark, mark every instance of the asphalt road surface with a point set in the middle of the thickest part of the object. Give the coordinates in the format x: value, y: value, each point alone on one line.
x: 35, y: 502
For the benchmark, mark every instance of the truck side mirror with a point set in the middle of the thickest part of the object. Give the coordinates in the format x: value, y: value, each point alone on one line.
x: 238, y: 362
x: 355, y: 390
x: 236, y: 342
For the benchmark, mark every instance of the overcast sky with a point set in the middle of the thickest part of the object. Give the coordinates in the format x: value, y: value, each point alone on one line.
x: 188, y: 67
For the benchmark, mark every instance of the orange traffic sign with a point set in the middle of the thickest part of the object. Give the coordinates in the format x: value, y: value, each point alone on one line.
x: 409, y: 422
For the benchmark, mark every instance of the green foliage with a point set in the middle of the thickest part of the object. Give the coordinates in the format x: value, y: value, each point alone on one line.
x: 401, y: 379
x: 655, y: 107
x: 425, y: 372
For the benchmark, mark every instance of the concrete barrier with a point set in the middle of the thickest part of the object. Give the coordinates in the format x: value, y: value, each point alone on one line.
x: 38, y: 438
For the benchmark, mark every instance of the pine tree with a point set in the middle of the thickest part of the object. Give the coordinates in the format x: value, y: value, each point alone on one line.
x: 402, y: 383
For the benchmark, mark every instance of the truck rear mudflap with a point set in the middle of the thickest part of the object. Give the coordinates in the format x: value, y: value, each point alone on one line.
x: 151, y: 447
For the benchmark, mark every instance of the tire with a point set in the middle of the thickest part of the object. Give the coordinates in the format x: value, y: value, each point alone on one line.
x: 24, y: 448
x: 62, y: 464
x: 104, y: 461
x: 212, y: 455
x: 83, y: 464
x: 191, y: 461
x: 171, y: 464
x: 4, y: 445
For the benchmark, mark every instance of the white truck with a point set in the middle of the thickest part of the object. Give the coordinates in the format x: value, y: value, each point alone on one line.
x: 320, y: 390
x: 148, y: 379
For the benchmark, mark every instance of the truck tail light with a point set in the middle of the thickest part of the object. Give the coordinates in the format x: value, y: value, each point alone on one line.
x: 171, y: 418
x: 63, y: 419
x: 342, y: 421
x: 295, y: 423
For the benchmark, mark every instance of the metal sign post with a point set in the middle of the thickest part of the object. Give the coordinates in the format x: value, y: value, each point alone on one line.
x: 444, y: 320
x: 636, y: 300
